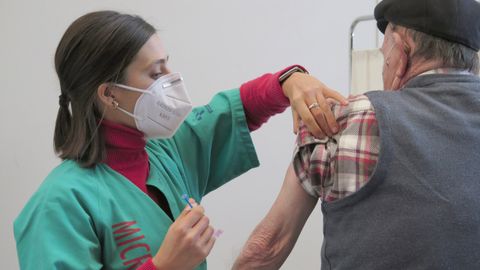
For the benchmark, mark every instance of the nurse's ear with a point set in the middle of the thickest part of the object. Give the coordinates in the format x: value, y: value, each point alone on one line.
x: 105, y: 96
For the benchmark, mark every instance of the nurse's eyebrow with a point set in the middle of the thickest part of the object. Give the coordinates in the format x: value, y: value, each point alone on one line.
x: 161, y: 61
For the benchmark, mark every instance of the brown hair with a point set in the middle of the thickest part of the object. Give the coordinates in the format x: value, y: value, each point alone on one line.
x: 450, y: 54
x: 95, y: 49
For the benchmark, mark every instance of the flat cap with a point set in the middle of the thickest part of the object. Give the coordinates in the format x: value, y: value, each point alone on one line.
x: 457, y: 21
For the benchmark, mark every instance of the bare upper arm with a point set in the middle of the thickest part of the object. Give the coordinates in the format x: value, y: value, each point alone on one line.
x: 293, y: 201
x: 273, y: 239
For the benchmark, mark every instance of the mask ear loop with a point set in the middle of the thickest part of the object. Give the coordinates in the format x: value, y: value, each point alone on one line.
x: 116, y: 106
x: 131, y: 88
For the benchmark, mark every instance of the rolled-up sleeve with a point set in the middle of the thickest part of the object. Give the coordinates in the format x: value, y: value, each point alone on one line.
x: 336, y: 167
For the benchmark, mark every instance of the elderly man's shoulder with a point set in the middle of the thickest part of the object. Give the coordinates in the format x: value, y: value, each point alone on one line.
x: 357, y: 104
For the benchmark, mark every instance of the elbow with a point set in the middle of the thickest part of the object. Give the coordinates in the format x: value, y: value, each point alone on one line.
x: 260, y: 252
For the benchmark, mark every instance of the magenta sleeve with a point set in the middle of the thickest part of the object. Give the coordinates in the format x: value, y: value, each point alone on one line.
x: 263, y: 97
x: 148, y: 265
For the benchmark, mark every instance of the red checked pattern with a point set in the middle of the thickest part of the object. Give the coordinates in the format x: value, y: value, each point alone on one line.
x: 336, y: 167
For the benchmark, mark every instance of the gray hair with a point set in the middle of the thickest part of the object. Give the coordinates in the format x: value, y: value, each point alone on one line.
x: 450, y: 54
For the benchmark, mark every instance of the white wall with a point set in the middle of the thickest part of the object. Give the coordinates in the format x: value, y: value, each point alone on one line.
x: 216, y: 44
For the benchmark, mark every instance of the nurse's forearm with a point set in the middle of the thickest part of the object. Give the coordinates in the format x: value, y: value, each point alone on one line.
x: 273, y: 239
x: 262, y: 98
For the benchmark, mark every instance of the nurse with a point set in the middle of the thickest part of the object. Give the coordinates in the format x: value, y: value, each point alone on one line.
x: 131, y: 146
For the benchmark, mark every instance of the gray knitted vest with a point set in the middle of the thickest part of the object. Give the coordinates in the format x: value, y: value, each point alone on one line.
x: 421, y: 207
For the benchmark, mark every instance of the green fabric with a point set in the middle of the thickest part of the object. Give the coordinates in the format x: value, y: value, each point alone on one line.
x: 97, y: 219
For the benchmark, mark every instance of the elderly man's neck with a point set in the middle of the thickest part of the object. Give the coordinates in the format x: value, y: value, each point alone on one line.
x: 418, y: 67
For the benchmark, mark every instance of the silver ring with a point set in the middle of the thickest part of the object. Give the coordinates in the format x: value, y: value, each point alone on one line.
x: 313, y: 105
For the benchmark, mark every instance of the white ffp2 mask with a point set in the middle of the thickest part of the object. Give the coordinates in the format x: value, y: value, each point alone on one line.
x: 162, y: 108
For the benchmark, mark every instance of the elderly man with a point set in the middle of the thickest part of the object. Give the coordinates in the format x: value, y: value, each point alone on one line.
x: 400, y: 183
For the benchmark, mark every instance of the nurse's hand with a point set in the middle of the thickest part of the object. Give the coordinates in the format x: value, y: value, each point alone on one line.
x: 308, y: 98
x: 188, y: 241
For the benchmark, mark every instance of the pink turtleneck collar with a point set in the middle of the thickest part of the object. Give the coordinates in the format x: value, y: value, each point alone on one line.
x: 126, y: 152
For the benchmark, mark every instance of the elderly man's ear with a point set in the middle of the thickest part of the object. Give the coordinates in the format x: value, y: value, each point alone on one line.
x: 402, y: 54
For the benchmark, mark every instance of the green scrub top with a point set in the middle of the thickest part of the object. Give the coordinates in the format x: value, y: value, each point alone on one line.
x: 97, y: 219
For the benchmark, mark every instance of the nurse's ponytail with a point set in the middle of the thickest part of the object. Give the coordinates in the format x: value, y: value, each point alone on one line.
x: 95, y: 49
x: 64, y: 121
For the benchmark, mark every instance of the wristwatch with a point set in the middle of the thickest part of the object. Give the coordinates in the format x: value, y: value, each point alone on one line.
x: 288, y: 73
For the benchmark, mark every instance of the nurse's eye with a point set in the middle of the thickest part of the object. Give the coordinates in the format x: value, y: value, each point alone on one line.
x: 157, y: 75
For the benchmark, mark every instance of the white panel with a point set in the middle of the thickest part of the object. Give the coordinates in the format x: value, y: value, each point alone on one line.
x: 366, y: 71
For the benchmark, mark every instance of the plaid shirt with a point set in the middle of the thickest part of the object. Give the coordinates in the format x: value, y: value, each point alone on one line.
x: 336, y: 167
